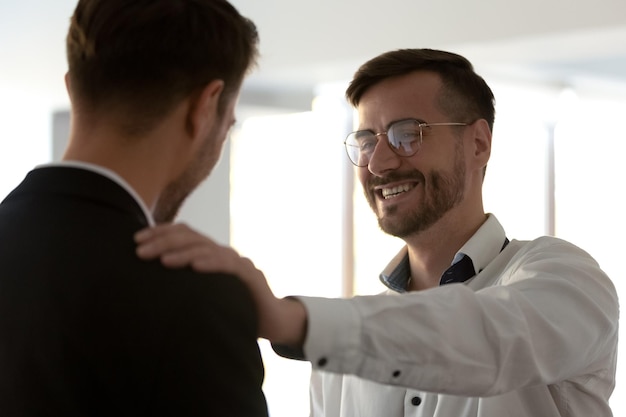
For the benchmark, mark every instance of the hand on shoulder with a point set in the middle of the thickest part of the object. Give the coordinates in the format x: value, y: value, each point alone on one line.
x: 178, y: 245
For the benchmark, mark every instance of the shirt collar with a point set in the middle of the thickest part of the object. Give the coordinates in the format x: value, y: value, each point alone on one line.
x: 109, y: 174
x: 481, y: 248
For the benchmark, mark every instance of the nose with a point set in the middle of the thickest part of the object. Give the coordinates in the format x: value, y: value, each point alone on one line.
x: 383, y: 159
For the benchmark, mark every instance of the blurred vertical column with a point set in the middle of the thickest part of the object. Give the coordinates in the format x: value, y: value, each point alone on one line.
x: 288, y: 213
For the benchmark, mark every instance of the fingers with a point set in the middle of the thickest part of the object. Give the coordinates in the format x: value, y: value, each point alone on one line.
x: 203, y: 258
x: 188, y: 256
x: 149, y: 232
x: 177, y: 243
x: 214, y: 261
x: 161, y: 230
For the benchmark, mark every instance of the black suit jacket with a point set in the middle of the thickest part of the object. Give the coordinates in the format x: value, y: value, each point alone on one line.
x: 88, y: 329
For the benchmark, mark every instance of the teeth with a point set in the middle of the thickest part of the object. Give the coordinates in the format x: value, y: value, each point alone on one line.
x: 392, y: 192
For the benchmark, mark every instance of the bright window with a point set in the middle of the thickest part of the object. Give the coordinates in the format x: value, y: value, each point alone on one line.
x: 26, y: 136
x: 286, y: 209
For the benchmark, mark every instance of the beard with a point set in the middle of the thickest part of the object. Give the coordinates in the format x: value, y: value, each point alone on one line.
x: 176, y: 192
x: 442, y: 192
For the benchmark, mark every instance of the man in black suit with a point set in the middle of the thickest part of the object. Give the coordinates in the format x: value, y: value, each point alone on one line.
x: 86, y: 328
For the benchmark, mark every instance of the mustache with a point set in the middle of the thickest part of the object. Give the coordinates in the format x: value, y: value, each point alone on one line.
x: 394, y: 177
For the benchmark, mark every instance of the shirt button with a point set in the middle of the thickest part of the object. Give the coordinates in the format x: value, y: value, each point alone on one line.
x: 322, y: 362
x: 396, y: 374
x: 416, y: 401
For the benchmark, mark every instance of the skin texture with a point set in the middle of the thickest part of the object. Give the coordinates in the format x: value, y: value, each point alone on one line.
x: 443, y: 191
x: 444, y: 176
x: 440, y: 211
x: 165, y: 164
x: 202, y: 163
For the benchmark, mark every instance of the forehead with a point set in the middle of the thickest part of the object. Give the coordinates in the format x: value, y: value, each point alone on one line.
x: 413, y: 95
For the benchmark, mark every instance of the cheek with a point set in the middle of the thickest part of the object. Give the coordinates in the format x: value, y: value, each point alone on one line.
x: 363, y: 175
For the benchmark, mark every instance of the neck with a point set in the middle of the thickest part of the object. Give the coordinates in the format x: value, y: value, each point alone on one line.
x: 145, y: 163
x: 432, y: 251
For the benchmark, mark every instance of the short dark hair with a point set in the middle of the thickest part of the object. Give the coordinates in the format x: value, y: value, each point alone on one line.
x: 141, y: 57
x: 465, y: 97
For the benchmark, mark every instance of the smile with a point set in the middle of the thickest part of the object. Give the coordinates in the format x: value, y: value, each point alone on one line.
x: 392, y: 192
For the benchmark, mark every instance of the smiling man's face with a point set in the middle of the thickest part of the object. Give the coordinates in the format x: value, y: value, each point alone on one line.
x: 410, y: 194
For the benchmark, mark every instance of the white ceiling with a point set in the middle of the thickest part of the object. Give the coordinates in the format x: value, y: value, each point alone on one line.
x: 304, y: 43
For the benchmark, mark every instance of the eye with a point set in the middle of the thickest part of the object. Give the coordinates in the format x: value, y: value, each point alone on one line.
x: 367, y: 145
x: 407, y: 134
x: 366, y: 142
x: 405, y: 137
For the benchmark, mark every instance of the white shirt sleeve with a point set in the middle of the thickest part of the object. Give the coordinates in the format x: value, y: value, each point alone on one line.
x: 546, y: 314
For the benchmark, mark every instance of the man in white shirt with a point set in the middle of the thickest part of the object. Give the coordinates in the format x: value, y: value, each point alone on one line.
x: 473, y: 324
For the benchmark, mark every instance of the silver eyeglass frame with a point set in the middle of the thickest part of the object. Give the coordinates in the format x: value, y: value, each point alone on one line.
x: 420, y: 125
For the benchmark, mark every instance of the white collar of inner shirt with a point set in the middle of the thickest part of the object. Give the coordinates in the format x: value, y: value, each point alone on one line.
x: 105, y: 172
x: 481, y: 248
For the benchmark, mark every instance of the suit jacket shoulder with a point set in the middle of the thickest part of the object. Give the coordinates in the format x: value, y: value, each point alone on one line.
x: 87, y: 328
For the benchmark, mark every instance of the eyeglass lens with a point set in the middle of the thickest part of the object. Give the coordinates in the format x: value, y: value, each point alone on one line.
x: 404, y: 138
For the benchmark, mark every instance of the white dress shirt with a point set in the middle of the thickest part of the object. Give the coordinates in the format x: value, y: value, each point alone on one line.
x: 533, y: 334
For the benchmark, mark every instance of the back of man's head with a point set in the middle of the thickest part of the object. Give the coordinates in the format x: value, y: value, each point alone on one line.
x: 137, y: 59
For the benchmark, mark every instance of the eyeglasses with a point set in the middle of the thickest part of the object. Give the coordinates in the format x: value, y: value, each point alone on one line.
x: 404, y: 138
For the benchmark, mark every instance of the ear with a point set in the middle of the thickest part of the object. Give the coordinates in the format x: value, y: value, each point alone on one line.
x: 67, y: 85
x: 481, y: 143
x: 203, y: 106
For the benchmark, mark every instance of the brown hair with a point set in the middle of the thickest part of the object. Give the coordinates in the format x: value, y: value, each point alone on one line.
x: 139, y: 58
x: 466, y: 97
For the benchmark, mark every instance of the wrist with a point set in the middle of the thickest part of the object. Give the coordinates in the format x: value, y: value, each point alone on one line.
x: 290, y: 324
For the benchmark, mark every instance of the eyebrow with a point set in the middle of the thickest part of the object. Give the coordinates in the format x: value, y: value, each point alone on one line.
x: 395, y: 121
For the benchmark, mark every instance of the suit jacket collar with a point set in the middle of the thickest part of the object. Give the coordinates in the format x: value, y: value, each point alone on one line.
x: 81, y: 183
